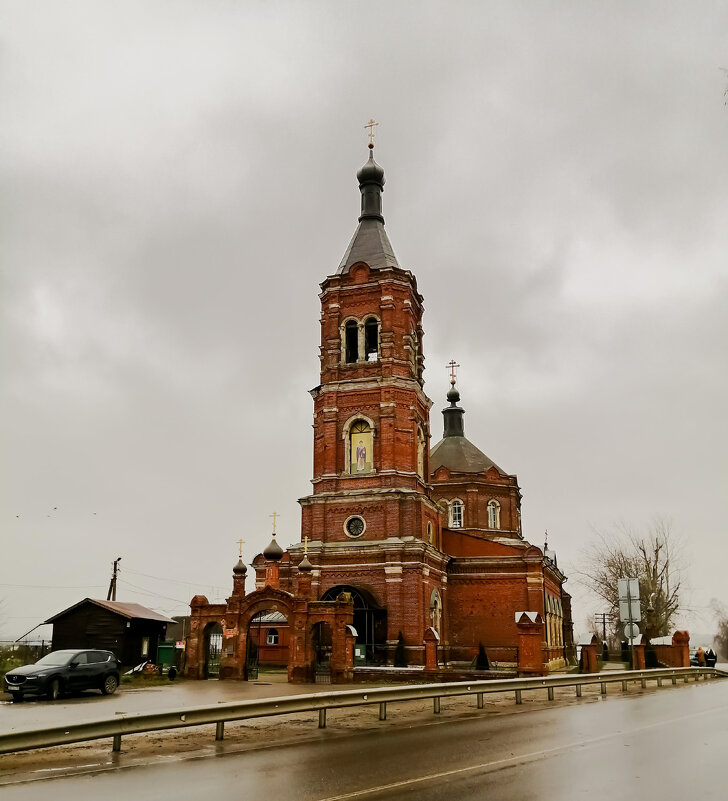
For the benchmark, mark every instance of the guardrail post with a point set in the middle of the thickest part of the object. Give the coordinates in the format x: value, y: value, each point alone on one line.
x: 578, y: 690
x: 383, y: 710
x: 624, y: 686
x: 674, y: 679
x: 685, y: 679
x: 519, y: 699
x: 480, y: 700
x: 322, y: 718
x: 436, y: 705
x: 551, y: 693
x: 659, y: 681
x: 220, y: 730
x: 643, y: 682
x: 604, y: 688
x: 116, y: 744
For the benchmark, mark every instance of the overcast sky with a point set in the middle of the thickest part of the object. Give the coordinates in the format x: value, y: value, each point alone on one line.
x: 179, y: 177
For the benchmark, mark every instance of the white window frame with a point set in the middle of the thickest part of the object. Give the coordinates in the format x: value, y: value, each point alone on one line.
x: 494, y: 514
x: 457, y: 510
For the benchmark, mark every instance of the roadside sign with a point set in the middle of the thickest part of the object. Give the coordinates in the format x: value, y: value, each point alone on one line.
x: 628, y: 588
x: 624, y: 611
x: 631, y: 631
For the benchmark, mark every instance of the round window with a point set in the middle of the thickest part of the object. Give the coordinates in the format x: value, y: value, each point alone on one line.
x: 354, y: 526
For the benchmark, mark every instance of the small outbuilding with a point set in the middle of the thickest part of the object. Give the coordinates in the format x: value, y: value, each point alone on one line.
x: 131, y: 631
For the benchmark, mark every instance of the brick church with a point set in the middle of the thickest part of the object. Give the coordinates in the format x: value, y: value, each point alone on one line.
x: 420, y: 538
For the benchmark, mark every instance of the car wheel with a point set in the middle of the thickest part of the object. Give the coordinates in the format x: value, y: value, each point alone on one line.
x: 110, y: 684
x: 17, y: 697
x: 54, y: 690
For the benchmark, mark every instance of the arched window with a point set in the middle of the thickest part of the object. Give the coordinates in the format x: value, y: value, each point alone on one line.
x: 429, y: 533
x: 371, y: 339
x: 351, y: 342
x: 360, y: 447
x: 493, y: 514
x: 271, y: 638
x: 456, y: 514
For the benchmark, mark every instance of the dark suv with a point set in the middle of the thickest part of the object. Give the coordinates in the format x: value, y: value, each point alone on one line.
x: 65, y: 671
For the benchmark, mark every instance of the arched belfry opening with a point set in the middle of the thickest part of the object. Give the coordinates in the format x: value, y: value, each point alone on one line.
x: 371, y: 339
x: 351, y: 342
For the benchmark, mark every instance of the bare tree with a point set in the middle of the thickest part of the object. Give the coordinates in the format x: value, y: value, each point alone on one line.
x: 721, y: 638
x: 652, y: 557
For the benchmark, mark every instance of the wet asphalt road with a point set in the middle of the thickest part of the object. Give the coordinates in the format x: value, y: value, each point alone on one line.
x: 664, y: 745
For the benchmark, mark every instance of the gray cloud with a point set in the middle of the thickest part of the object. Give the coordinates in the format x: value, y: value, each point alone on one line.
x: 179, y: 177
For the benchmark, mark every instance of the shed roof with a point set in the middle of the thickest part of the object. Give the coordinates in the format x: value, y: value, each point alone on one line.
x: 130, y: 611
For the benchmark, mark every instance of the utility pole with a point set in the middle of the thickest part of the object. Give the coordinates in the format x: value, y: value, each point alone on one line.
x: 601, y: 618
x: 111, y: 594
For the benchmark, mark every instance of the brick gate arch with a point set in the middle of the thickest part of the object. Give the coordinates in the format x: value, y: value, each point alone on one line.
x: 236, y: 615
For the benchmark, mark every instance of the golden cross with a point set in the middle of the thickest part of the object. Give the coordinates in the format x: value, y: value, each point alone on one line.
x: 240, y: 543
x: 275, y: 515
x: 371, y: 125
x: 452, y: 366
x: 305, y: 546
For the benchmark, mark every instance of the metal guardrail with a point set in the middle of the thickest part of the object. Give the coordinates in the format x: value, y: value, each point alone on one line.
x: 138, y: 723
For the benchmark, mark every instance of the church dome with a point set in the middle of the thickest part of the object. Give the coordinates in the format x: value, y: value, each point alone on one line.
x: 273, y: 551
x: 240, y: 569
x: 455, y: 451
x: 371, y: 172
x: 459, y: 455
x: 304, y: 565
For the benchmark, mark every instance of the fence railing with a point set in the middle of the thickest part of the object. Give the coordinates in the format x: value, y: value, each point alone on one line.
x: 219, y: 714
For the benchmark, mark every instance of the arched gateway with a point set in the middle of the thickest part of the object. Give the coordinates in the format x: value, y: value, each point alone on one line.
x: 306, y: 618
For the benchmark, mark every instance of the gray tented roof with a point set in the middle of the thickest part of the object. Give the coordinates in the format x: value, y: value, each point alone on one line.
x: 371, y: 244
x: 459, y: 455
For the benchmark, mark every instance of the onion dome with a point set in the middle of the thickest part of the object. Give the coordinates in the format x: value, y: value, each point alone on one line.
x: 240, y: 569
x: 304, y: 565
x: 273, y: 551
x: 371, y: 172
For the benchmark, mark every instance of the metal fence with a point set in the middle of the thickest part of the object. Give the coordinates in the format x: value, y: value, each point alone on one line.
x: 219, y: 714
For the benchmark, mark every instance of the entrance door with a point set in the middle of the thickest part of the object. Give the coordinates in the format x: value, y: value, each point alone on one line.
x: 213, y: 642
x: 370, y: 622
x: 322, y: 639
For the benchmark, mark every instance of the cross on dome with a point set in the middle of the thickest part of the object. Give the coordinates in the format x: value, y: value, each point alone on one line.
x: 240, y: 544
x: 371, y: 125
x: 452, y: 366
x: 275, y: 516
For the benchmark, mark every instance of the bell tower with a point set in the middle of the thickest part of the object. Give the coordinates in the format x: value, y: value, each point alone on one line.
x: 371, y: 416
x: 370, y: 521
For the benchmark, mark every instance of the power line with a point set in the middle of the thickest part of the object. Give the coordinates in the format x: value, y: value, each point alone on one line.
x: 54, y: 586
x: 152, y: 593
x: 175, y: 581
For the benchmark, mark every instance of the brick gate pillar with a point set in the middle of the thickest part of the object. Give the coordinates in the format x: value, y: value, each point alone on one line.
x: 638, y: 657
x: 589, y: 657
x: 432, y: 638
x: 531, y: 633
x: 681, y: 648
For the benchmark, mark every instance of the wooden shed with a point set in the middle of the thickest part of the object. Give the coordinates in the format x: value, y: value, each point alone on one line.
x: 131, y: 631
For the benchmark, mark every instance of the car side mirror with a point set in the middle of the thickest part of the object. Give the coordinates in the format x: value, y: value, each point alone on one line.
x: 73, y: 665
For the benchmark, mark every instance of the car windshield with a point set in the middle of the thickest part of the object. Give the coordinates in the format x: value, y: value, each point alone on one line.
x: 56, y: 658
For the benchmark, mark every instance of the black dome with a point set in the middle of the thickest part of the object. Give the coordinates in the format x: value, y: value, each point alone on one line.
x: 273, y: 551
